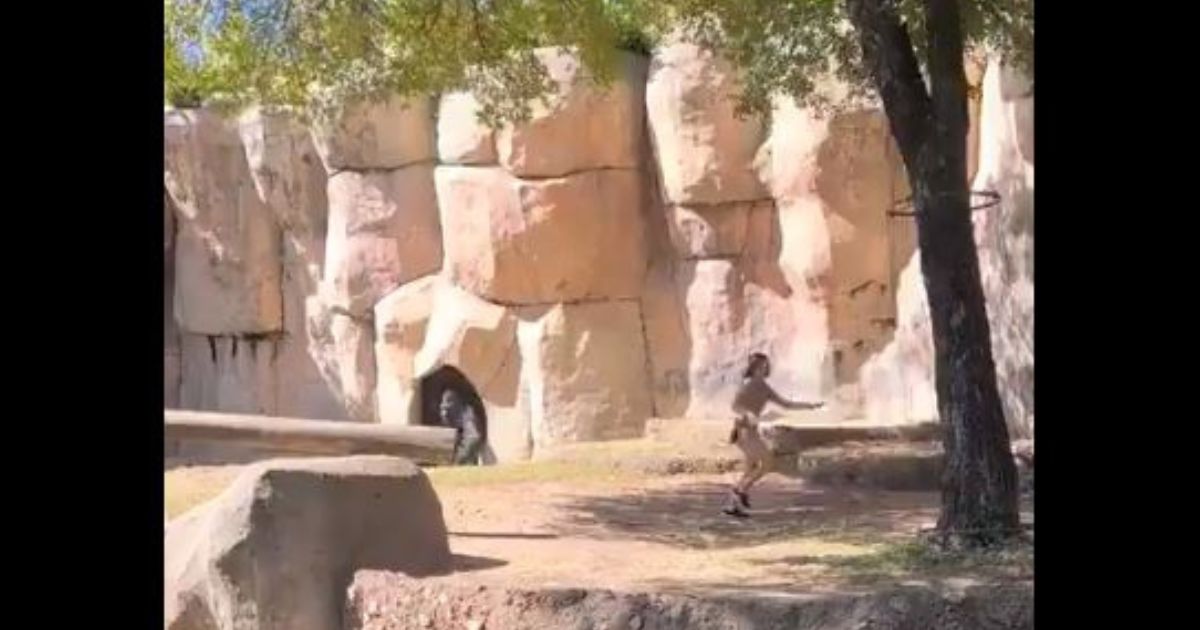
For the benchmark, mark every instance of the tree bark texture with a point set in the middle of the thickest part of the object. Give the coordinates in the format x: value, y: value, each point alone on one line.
x: 979, y: 487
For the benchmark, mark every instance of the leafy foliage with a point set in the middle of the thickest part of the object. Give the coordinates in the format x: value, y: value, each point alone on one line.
x: 317, y: 54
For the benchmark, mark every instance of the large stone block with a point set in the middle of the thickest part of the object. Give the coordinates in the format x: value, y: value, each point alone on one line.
x: 342, y: 347
x: 227, y: 271
x: 703, y: 318
x: 705, y: 152
x: 383, y: 232
x: 278, y: 549
x: 543, y: 241
x: 899, y: 381
x: 401, y: 320
x: 587, y: 372
x: 387, y: 133
x: 461, y: 137
x: 581, y: 125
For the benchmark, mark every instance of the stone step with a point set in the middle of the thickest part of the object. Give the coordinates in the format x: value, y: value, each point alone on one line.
x: 796, y: 433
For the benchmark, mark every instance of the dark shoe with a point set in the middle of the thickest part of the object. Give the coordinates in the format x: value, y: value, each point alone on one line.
x: 743, y: 499
x: 735, y: 511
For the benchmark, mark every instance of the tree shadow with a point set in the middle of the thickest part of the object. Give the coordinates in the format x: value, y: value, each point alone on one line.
x: 462, y: 563
x: 689, y: 515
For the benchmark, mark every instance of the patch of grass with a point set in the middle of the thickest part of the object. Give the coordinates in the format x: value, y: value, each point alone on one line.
x: 185, y: 488
x: 913, y: 558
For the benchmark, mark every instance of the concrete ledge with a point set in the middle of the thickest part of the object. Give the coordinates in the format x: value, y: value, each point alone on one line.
x: 310, y: 437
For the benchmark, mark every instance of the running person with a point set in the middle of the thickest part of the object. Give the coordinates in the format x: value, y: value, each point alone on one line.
x: 752, y: 397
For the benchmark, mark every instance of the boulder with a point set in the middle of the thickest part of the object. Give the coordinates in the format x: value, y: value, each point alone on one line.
x: 897, y: 382
x: 383, y: 231
x: 587, y: 372
x: 227, y: 266
x: 461, y: 137
x: 278, y: 549
x: 581, y: 125
x: 386, y: 133
x: 542, y: 241
x: 705, y: 152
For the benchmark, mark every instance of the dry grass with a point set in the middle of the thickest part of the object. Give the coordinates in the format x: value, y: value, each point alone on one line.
x: 186, y: 488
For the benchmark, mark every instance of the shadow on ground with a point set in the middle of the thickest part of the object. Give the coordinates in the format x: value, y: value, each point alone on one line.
x: 688, y: 515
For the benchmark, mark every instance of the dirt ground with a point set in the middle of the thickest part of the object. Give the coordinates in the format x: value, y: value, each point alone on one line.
x: 552, y: 524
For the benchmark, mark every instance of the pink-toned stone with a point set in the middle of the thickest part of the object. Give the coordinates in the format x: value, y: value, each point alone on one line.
x: 899, y: 381
x: 705, y: 152
x: 401, y: 320
x: 378, y: 134
x: 383, y: 231
x: 461, y: 137
x: 227, y: 243
x: 342, y: 346
x: 704, y: 317
x: 543, y: 241
x: 722, y: 231
x: 587, y: 374
x: 581, y: 125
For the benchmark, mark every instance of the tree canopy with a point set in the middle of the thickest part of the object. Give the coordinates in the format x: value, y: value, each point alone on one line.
x: 315, y: 54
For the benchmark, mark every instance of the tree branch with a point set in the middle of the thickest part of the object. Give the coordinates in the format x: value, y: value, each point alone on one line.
x: 891, y: 61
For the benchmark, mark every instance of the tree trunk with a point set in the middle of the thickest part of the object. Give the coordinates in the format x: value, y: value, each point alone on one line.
x: 979, y: 486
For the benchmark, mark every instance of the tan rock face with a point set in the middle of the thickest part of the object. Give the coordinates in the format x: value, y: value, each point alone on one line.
x: 227, y: 271
x: 387, y: 134
x: 291, y: 180
x: 172, y: 358
x: 543, y: 241
x: 705, y: 153
x: 401, y: 320
x: 430, y: 325
x: 588, y: 376
x: 288, y: 176
x: 899, y: 382
x: 342, y: 346
x: 582, y: 126
x: 277, y: 549
x: 705, y: 317
x: 836, y: 177
x: 721, y: 231
x: 383, y: 232
x: 479, y: 339
x: 461, y: 137
x: 1004, y: 234
x: 227, y: 374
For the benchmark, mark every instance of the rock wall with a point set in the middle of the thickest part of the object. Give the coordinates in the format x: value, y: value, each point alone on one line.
x: 614, y: 258
x: 898, y: 381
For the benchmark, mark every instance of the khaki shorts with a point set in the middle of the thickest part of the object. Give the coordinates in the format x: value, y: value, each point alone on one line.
x: 749, y: 439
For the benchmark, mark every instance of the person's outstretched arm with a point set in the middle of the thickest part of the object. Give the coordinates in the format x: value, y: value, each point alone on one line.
x: 793, y: 404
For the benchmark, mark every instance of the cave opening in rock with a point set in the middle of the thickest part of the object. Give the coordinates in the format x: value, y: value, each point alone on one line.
x: 444, y: 378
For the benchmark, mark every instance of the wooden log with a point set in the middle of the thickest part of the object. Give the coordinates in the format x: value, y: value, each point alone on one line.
x: 315, y: 437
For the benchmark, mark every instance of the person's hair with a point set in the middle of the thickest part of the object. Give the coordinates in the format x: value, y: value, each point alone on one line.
x: 755, y: 360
